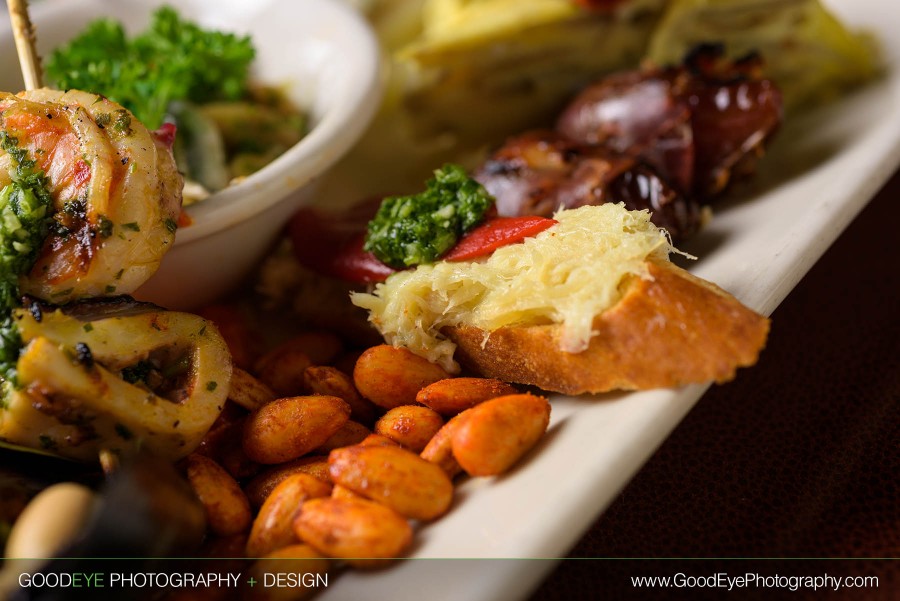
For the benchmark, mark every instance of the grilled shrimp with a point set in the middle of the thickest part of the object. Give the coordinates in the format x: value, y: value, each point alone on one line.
x: 116, y: 192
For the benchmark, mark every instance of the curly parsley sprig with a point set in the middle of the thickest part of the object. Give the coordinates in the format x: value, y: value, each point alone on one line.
x: 174, y: 59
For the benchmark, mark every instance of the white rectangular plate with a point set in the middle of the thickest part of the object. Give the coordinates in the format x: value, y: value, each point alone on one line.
x: 823, y: 168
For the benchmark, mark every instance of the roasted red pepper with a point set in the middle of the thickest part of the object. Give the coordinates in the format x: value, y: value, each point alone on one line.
x: 497, y: 232
x: 354, y: 264
x: 332, y: 244
x: 166, y: 134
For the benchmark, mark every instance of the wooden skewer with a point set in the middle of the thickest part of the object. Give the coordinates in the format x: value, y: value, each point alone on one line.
x: 23, y: 32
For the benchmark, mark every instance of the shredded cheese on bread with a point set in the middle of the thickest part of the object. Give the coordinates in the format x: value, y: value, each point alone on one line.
x: 565, y: 275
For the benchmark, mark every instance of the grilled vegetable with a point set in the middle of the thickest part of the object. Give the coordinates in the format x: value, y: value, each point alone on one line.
x: 114, y: 375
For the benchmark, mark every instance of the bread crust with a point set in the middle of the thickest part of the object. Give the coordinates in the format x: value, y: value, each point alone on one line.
x: 669, y: 330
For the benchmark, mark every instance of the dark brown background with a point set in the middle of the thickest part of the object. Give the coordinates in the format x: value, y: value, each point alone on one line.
x: 799, y: 457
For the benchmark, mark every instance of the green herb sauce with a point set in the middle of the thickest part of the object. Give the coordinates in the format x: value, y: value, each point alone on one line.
x: 26, y: 216
x: 416, y: 229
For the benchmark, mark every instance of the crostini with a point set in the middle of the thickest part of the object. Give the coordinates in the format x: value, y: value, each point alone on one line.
x: 588, y: 305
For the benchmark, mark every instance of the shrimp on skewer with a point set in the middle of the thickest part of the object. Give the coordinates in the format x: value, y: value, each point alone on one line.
x: 116, y: 192
x: 80, y: 374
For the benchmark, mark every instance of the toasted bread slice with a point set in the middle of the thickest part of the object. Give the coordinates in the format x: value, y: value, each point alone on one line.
x: 667, y: 330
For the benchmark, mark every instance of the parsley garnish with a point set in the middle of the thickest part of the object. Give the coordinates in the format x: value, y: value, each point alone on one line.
x: 173, y: 59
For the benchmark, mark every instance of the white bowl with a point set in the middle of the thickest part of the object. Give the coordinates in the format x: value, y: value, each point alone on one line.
x: 327, y: 57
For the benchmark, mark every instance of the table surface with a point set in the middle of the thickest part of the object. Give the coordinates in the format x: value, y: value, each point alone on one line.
x: 798, y: 457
